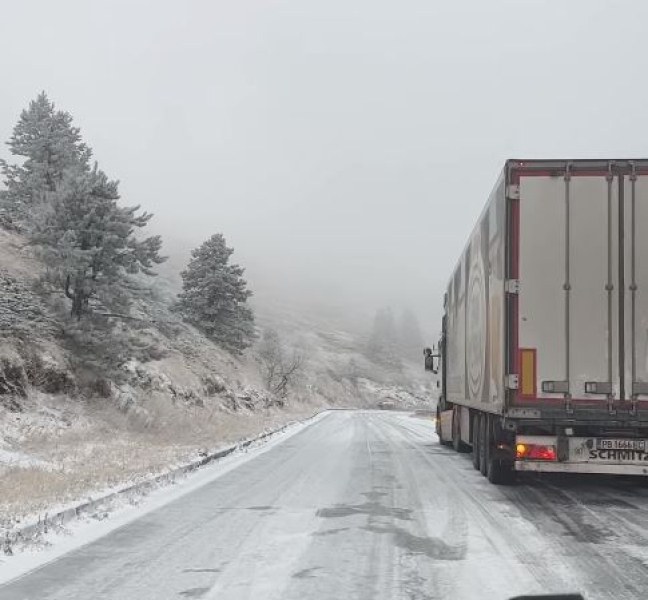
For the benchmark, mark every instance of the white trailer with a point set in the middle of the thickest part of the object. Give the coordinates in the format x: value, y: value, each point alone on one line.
x: 544, y: 350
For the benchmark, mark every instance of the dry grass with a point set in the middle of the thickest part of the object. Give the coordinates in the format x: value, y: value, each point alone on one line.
x: 119, y: 450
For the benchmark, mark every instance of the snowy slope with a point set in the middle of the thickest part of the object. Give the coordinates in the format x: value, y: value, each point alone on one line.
x: 66, y: 435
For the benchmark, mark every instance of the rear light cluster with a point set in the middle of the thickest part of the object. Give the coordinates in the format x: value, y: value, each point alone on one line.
x: 535, y: 452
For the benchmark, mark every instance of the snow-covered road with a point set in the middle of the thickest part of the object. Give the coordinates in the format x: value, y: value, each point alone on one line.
x: 365, y: 505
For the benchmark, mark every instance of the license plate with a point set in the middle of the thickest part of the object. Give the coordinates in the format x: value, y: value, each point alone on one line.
x: 602, y: 444
x: 608, y: 450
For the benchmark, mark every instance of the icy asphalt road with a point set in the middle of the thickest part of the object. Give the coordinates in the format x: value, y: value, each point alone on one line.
x: 365, y: 505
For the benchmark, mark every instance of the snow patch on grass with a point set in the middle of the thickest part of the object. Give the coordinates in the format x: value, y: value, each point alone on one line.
x: 122, y: 510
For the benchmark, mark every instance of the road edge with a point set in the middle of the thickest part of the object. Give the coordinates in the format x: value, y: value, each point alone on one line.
x: 57, y: 520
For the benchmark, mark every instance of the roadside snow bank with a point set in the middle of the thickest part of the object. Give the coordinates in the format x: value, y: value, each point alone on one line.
x: 47, y: 539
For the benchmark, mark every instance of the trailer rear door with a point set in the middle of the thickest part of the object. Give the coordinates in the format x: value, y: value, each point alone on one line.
x: 579, y: 250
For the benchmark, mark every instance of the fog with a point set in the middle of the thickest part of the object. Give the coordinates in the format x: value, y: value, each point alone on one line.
x: 344, y: 147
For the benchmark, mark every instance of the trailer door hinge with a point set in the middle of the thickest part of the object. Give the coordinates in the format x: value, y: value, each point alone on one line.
x: 513, y: 381
x: 513, y: 191
x: 512, y: 286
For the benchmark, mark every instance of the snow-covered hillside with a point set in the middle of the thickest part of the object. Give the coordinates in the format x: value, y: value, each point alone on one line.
x: 69, y: 431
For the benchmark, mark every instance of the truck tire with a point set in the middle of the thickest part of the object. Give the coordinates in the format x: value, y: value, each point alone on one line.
x: 475, y: 441
x: 483, y: 445
x: 439, y: 431
x: 457, y: 444
x: 498, y: 472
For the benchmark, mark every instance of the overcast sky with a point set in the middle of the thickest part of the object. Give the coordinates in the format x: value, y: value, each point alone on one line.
x: 344, y: 147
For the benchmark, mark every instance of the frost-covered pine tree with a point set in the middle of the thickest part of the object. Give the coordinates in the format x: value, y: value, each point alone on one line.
x: 214, y: 296
x: 49, y: 145
x: 90, y: 245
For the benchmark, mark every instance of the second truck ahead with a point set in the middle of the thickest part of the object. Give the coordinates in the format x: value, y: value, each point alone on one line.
x: 544, y: 347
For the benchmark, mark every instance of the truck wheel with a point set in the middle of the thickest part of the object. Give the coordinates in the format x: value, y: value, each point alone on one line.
x: 439, y: 431
x: 483, y: 445
x: 498, y: 472
x: 457, y: 444
x: 475, y: 441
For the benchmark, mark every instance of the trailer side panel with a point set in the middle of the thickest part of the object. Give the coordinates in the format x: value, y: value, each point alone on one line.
x: 475, y: 310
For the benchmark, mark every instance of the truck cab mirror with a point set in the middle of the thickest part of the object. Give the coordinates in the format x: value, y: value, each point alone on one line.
x: 431, y: 360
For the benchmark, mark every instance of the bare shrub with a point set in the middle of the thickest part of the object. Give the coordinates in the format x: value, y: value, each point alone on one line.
x: 280, y: 371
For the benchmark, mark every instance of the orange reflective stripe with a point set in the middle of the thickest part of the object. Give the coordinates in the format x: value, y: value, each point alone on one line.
x: 527, y: 372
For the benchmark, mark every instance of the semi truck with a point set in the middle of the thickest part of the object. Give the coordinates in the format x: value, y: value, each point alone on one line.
x: 543, y: 355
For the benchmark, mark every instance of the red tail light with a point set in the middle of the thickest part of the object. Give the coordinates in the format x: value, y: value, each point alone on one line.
x: 535, y: 452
